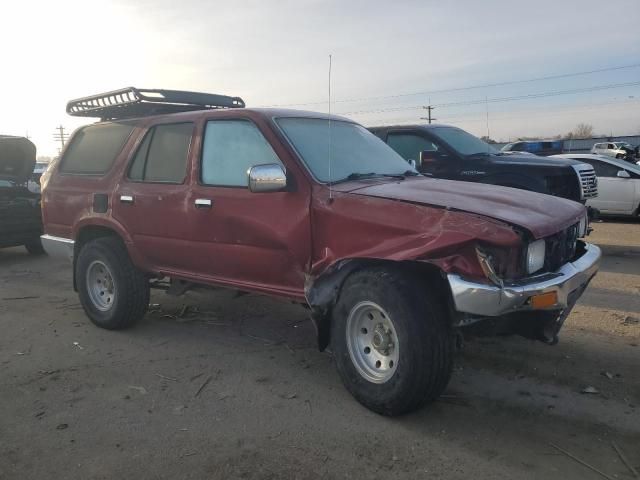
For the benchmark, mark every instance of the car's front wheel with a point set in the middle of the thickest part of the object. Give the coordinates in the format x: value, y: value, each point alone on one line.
x: 392, y: 345
x: 113, y: 292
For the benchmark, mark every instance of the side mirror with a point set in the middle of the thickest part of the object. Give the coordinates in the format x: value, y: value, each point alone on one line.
x: 267, y: 178
x: 623, y: 174
x: 412, y: 162
x: 428, y: 156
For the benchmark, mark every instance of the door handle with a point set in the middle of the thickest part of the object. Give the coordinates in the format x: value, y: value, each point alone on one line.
x: 126, y: 199
x: 203, y: 203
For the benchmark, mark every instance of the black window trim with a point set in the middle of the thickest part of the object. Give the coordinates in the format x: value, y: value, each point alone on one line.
x: 151, y: 130
x: 96, y: 175
x: 201, y: 158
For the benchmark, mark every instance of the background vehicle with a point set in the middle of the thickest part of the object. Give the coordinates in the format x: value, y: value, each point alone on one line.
x: 20, y: 220
x: 314, y: 209
x: 613, y: 149
x: 618, y: 184
x: 538, y: 147
x: 449, y: 152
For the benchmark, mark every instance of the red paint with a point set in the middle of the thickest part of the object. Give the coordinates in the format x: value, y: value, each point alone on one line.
x: 270, y: 242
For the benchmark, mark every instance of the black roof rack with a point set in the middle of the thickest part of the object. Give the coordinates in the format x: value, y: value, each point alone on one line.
x: 136, y: 102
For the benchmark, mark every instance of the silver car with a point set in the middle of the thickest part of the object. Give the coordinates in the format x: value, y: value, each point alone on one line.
x: 618, y: 184
x: 612, y: 149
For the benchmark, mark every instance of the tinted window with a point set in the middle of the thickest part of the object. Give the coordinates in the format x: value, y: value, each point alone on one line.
x: 230, y: 148
x: 409, y: 146
x: 461, y: 141
x: 602, y: 169
x: 162, y: 155
x: 94, y: 148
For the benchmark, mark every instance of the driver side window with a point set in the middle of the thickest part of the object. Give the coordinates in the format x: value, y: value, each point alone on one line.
x: 409, y: 146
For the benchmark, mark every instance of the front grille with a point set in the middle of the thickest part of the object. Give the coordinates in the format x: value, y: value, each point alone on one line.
x: 560, y: 248
x: 588, y: 181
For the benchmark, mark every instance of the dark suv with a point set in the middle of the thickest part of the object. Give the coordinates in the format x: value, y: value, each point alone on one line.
x: 449, y: 152
x: 20, y: 219
x: 314, y: 209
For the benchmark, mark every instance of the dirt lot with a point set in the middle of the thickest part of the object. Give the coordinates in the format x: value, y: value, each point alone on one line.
x: 233, y: 387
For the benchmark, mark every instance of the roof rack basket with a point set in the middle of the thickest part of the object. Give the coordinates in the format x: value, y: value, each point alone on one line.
x: 134, y: 102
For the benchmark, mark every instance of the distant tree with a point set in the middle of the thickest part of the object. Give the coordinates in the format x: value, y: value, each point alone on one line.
x: 488, y: 139
x: 582, y: 130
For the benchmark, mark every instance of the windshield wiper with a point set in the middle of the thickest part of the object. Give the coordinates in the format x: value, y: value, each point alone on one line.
x: 360, y: 176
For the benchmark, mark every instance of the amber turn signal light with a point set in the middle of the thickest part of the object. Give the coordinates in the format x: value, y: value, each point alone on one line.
x: 544, y: 300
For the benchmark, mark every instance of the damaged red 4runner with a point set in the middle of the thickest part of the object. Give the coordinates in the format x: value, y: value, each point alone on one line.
x: 312, y: 208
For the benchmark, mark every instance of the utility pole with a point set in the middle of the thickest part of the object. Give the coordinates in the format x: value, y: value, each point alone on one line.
x: 60, y: 136
x: 428, y: 108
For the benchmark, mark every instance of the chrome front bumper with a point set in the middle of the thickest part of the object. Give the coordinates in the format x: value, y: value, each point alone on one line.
x: 58, y: 246
x: 491, y: 301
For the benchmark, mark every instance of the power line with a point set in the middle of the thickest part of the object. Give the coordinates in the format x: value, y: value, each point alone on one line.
x: 554, y: 93
x: 460, y: 89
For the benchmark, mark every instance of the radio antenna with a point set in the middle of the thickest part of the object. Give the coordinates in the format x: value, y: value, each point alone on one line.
x: 330, y: 149
x: 486, y: 103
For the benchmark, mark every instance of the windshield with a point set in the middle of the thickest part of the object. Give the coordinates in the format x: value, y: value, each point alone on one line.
x: 462, y: 142
x: 354, y: 150
x: 622, y: 145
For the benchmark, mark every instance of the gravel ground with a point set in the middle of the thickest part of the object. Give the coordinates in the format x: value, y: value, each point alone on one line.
x: 233, y: 387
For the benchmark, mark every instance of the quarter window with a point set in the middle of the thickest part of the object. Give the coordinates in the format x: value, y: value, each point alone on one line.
x: 94, y: 148
x: 409, y: 146
x: 231, y: 148
x: 162, y: 155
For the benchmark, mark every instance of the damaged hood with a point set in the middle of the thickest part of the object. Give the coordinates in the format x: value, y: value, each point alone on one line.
x: 17, y: 158
x: 541, y: 215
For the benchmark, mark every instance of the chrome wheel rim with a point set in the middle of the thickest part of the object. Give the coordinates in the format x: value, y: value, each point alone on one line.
x: 100, y: 285
x: 372, y: 342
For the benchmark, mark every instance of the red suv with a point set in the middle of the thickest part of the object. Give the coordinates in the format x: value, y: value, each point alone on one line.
x: 315, y: 209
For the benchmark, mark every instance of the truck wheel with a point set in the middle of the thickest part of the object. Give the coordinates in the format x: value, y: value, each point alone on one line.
x: 34, y: 247
x: 392, y: 344
x: 113, y: 293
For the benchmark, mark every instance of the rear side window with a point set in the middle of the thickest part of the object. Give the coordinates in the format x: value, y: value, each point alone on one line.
x: 230, y: 148
x: 94, y: 148
x: 162, y: 155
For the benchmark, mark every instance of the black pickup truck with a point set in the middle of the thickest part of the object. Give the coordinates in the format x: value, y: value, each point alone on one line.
x: 449, y: 152
x: 20, y: 217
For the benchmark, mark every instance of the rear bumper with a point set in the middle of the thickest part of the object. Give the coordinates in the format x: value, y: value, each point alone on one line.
x: 491, y: 301
x: 58, y: 246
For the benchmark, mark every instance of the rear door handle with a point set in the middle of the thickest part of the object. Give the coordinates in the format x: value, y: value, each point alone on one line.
x: 126, y: 199
x: 203, y: 203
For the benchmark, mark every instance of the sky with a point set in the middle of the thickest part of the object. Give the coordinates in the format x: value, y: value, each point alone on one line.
x: 388, y: 60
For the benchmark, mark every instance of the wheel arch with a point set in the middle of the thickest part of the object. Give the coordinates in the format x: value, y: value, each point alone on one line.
x: 323, y: 291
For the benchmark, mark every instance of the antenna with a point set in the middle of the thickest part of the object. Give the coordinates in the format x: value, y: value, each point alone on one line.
x: 330, y: 150
x: 486, y: 99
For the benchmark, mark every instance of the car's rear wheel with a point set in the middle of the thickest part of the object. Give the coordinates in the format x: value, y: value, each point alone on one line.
x: 392, y: 345
x: 113, y: 292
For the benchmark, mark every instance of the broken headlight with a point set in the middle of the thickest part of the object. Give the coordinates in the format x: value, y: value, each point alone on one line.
x: 535, y: 256
x: 583, y: 227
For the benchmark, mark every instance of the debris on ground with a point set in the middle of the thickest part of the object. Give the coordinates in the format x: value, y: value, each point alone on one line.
x: 590, y: 390
x: 609, y: 375
x: 141, y: 390
x: 582, y: 462
x: 624, y: 459
x: 204, y: 384
x: 76, y: 344
x: 628, y: 320
x: 62, y: 426
x: 166, y: 378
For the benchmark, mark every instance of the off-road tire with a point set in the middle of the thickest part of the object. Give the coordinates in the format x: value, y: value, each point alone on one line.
x: 426, y: 343
x: 34, y: 247
x: 131, y: 298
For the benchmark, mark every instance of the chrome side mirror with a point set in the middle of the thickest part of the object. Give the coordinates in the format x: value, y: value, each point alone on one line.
x: 412, y: 162
x: 267, y: 178
x: 623, y: 174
